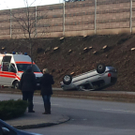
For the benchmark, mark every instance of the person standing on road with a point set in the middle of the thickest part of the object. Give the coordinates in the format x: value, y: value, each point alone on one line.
x: 46, y: 82
x: 27, y: 86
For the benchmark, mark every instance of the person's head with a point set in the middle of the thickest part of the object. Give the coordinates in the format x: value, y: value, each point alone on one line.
x: 29, y: 69
x: 45, y: 70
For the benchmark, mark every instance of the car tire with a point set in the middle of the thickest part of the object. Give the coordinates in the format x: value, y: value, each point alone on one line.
x: 67, y: 79
x: 101, y: 68
x: 16, y: 85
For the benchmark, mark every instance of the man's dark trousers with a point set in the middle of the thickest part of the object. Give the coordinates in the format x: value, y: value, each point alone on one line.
x: 28, y: 96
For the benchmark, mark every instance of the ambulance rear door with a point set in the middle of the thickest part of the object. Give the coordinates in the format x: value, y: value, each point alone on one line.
x: 8, y: 72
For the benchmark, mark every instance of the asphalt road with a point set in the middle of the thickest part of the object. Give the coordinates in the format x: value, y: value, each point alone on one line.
x: 87, y: 117
x: 92, y: 117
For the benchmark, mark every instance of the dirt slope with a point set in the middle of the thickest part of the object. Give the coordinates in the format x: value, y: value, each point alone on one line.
x: 71, y: 56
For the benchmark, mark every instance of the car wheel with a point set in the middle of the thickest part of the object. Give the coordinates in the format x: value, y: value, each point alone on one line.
x: 16, y: 85
x: 67, y: 79
x: 101, y: 68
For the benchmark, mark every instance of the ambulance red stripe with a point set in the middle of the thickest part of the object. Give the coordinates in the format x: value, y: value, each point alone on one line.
x: 23, y: 62
x: 34, y: 72
x: 20, y: 71
x: 18, y: 77
x: 9, y: 75
x: 38, y: 72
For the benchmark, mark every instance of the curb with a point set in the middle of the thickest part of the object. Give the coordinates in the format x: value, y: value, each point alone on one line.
x: 65, y: 119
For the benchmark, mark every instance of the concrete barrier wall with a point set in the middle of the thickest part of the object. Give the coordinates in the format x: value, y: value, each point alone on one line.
x: 70, y: 19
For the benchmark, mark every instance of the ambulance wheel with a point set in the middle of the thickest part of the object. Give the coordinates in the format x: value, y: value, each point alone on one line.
x: 101, y: 68
x: 67, y: 79
x: 16, y: 85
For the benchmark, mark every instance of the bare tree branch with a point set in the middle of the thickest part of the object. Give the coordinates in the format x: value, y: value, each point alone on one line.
x: 27, y: 19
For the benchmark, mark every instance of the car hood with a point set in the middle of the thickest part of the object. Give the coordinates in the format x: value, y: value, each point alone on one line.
x: 17, y: 131
x: 21, y: 132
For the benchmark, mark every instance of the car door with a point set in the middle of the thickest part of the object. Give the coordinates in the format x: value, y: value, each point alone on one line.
x: 6, y: 76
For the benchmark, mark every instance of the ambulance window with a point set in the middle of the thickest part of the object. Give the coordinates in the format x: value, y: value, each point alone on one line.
x: 6, y: 59
x: 11, y: 68
x: 5, y: 66
x: 23, y: 67
x: 35, y: 68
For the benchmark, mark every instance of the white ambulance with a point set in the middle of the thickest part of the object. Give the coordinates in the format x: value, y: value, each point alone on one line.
x: 12, y: 66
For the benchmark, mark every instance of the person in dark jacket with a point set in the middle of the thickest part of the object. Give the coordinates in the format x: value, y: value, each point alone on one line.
x: 46, y: 82
x: 27, y: 86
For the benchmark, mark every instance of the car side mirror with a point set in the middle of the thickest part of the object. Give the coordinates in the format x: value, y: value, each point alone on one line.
x: 5, y: 131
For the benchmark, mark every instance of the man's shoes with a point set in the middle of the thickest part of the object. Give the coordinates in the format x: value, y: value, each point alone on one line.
x: 46, y: 113
x: 31, y: 111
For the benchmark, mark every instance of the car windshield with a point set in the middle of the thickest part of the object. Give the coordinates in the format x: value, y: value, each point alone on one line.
x: 23, y: 67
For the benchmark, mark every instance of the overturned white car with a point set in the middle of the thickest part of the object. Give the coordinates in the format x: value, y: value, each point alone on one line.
x: 97, y: 79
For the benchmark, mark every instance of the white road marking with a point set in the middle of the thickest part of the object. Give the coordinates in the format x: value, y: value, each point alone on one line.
x: 84, y: 119
x: 79, y: 119
x: 56, y: 105
x: 42, y: 103
x: 119, y: 110
x: 72, y: 119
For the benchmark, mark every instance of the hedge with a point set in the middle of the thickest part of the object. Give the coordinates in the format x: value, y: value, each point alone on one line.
x: 12, y: 109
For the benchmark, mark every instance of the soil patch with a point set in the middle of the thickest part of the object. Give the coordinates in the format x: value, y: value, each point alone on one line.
x: 81, y: 54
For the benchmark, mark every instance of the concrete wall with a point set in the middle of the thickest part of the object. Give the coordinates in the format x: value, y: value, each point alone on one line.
x: 70, y: 19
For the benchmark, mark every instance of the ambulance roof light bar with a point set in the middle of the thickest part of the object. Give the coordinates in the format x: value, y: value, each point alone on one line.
x: 19, y: 53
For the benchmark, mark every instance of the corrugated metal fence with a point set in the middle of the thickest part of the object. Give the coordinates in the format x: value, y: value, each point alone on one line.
x: 71, y: 19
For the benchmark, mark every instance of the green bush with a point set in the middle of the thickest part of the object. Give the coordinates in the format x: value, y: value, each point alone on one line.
x: 12, y: 109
